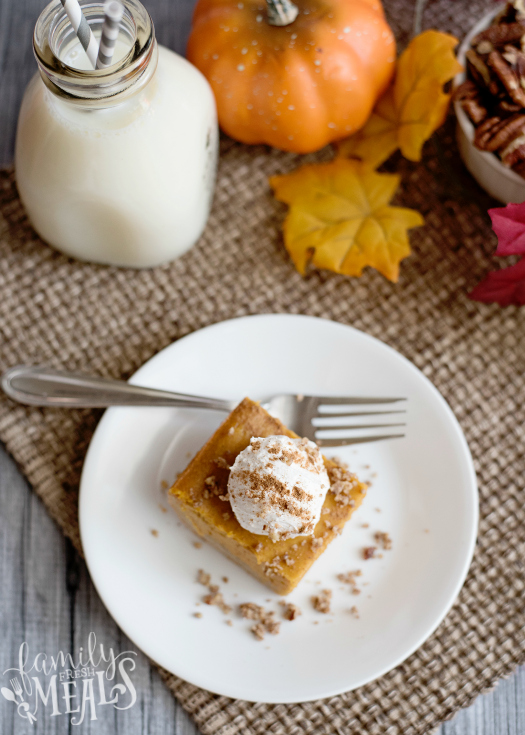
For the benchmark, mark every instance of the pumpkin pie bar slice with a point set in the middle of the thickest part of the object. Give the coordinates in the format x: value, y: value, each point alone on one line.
x: 200, y: 497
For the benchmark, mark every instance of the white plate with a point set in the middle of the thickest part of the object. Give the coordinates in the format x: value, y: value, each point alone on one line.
x: 423, y: 494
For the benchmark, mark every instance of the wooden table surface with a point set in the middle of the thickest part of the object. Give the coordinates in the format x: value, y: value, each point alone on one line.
x: 46, y: 595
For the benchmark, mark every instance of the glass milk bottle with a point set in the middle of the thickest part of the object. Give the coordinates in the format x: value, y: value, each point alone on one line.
x: 117, y: 165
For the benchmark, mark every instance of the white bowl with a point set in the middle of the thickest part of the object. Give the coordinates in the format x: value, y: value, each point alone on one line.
x: 498, y: 180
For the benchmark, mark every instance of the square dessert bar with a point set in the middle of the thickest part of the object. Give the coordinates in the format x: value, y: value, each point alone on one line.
x: 200, y: 497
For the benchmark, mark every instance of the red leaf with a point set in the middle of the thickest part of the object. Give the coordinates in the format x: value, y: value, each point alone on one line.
x: 509, y: 225
x: 504, y: 287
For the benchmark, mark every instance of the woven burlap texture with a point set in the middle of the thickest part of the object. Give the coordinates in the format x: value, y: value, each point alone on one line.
x: 109, y: 321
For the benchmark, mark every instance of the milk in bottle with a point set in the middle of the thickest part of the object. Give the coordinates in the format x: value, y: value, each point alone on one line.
x: 117, y: 165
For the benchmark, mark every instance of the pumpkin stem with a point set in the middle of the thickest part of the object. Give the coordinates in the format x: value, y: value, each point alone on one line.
x: 281, y: 12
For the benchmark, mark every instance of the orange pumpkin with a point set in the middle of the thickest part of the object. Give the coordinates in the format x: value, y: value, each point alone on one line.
x: 299, y: 85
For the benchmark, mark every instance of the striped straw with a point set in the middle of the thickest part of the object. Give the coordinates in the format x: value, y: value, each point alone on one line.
x: 113, y: 12
x: 82, y: 29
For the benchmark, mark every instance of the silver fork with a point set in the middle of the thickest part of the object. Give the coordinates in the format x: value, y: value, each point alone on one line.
x: 315, y: 417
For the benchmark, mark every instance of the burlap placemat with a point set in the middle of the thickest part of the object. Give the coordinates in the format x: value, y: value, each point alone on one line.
x: 109, y: 321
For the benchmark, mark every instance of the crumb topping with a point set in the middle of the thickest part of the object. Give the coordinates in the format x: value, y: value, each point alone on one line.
x: 272, y: 567
x: 215, y: 598
x: 194, y: 497
x: 203, y: 577
x: 290, y: 611
x: 321, y: 602
x: 383, y: 540
x: 258, y: 631
x: 369, y: 552
x: 270, y: 623
x: 266, y: 622
x: 251, y: 611
x: 350, y: 579
x: 342, y: 482
x: 212, y: 488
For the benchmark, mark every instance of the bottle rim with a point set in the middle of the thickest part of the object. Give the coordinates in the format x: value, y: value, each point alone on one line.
x: 95, y: 88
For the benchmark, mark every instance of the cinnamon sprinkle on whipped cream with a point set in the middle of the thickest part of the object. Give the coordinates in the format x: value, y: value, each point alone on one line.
x: 277, y: 487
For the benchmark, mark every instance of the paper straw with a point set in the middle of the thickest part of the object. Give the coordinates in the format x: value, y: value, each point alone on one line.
x: 113, y: 12
x: 82, y: 29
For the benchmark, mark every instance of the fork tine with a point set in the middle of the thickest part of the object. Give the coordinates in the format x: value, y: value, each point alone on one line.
x: 355, y: 440
x: 356, y: 426
x: 352, y: 400
x: 333, y: 416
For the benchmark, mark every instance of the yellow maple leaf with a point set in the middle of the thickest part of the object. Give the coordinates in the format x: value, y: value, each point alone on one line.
x: 340, y: 218
x: 413, y: 107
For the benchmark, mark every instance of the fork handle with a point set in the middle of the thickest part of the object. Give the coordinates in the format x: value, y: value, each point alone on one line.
x: 42, y: 386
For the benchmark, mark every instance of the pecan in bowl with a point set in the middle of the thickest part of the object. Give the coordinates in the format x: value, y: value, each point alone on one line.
x: 489, y: 100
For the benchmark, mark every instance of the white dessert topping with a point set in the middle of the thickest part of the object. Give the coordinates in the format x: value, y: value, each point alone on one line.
x: 277, y: 487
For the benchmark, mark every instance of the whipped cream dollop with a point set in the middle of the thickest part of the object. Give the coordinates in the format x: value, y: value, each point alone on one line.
x: 277, y: 487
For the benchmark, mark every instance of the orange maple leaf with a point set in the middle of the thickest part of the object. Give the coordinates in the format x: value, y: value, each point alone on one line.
x: 413, y: 107
x: 340, y: 218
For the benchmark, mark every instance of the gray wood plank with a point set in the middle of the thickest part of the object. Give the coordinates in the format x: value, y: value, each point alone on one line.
x: 502, y: 712
x: 47, y: 599
x: 17, y: 65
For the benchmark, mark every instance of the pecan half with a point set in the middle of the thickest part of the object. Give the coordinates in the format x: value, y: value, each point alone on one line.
x: 465, y: 90
x: 514, y: 153
x: 507, y: 76
x: 467, y: 94
x: 516, y: 59
x: 495, y: 132
x: 516, y: 157
x: 509, y: 106
x: 520, y: 68
x: 510, y: 54
x: 499, y: 35
x: 478, y: 68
